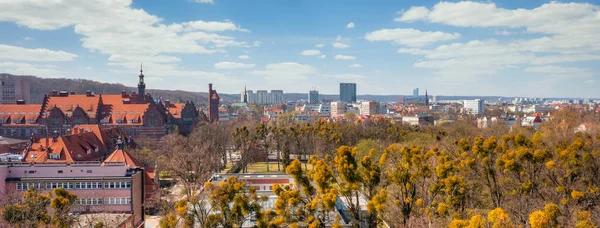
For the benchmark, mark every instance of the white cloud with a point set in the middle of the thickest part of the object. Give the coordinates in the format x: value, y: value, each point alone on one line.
x: 350, y: 25
x: 310, y: 52
x: 549, y: 59
x: 413, y: 51
x: 206, y: 1
x: 566, y: 32
x: 340, y: 45
x: 286, y: 71
x: 322, y: 56
x: 573, y: 27
x: 344, y: 57
x: 28, y: 38
x: 550, y: 69
x: 356, y: 65
x: 467, y: 60
x: 503, y: 33
x: 413, y: 14
x: 320, y: 45
x: 209, y: 26
x: 141, y: 36
x: 410, y: 37
x: 244, y: 57
x: 46, y: 70
x: 38, y: 54
x: 89, y: 68
x: 233, y: 65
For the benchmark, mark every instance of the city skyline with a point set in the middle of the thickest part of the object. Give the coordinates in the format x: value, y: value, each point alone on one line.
x: 511, y: 49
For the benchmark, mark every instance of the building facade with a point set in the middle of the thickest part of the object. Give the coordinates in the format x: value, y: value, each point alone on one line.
x: 137, y: 115
x: 213, y: 104
x: 13, y: 89
x: 262, y: 97
x: 276, y: 97
x: 474, y: 107
x: 348, y: 92
x: 368, y: 108
x: 313, y: 96
x: 337, y: 108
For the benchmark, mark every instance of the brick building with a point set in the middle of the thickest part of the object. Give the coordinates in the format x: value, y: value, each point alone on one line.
x: 138, y: 115
x: 104, y: 181
x: 213, y: 104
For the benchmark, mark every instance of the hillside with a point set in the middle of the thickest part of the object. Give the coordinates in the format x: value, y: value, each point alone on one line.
x: 41, y: 86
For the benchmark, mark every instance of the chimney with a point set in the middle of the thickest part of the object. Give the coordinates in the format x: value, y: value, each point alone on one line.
x: 20, y: 102
x: 47, y: 143
x: 123, y: 94
x: 210, y: 89
x: 54, y: 93
x: 63, y: 94
x: 88, y: 93
x: 72, y: 92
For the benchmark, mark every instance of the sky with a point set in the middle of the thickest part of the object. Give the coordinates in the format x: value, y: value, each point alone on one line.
x: 527, y: 48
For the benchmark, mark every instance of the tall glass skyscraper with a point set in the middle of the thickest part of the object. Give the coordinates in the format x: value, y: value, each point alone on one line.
x: 348, y: 92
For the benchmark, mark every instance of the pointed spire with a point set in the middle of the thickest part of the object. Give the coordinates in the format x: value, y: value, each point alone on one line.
x: 141, y: 67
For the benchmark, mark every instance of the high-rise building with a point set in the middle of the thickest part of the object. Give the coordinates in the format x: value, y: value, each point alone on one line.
x: 251, y: 97
x: 13, y: 89
x: 262, y: 97
x: 474, y: 107
x: 348, y: 92
x: 313, y: 96
x: 368, y: 108
x: 416, y: 92
x: 276, y: 97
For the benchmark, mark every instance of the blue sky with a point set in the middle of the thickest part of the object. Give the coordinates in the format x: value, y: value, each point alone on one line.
x: 510, y: 48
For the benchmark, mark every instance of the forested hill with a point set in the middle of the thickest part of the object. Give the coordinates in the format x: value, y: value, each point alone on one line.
x: 41, y: 86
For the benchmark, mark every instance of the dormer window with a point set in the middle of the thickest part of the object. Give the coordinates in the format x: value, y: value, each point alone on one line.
x: 54, y: 156
x: 79, y: 156
x: 133, y: 121
x: 96, y: 149
x: 89, y: 151
x: 119, y: 121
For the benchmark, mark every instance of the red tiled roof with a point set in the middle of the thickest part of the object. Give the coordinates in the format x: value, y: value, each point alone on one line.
x: 89, y: 104
x: 85, y: 146
x: 175, y: 109
x: 123, y: 157
x: 23, y: 113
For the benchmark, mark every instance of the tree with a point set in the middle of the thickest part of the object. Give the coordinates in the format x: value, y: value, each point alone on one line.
x: 232, y: 204
x: 61, y: 205
x: 32, y: 211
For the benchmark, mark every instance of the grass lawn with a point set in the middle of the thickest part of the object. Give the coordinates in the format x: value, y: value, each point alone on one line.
x: 227, y: 168
x: 261, y: 167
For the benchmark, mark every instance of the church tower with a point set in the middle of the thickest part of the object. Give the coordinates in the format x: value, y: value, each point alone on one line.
x: 141, y: 84
x: 426, y: 99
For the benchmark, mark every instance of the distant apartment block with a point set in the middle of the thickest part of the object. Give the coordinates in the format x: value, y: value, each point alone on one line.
x: 348, y: 92
x: 338, y: 108
x: 313, y: 96
x: 13, y: 89
x: 368, y: 108
x: 262, y: 96
x: 415, y: 92
x: 474, y: 107
x: 276, y: 97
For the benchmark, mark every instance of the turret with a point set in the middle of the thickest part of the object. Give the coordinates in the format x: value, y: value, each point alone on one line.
x: 141, y: 84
